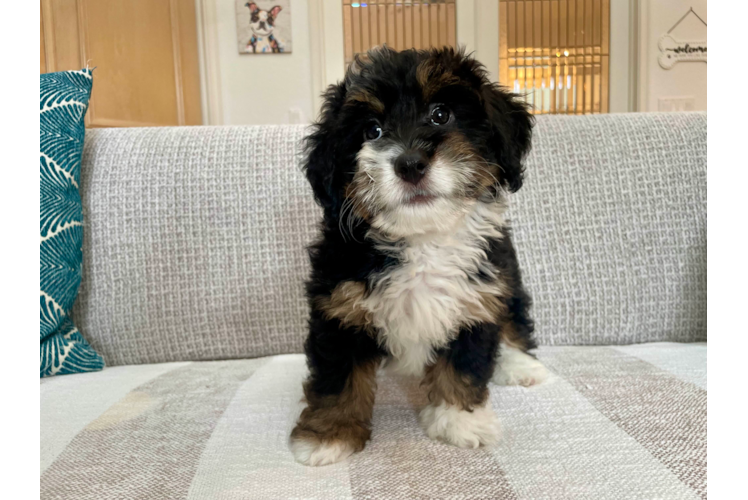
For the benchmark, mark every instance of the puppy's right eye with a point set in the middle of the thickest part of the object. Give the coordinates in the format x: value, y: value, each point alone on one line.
x: 372, y: 132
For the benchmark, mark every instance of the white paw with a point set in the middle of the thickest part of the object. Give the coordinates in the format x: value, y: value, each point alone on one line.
x: 518, y: 368
x: 316, y: 453
x: 459, y: 427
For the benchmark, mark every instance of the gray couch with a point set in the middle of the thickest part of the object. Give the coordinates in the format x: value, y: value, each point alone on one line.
x: 194, y: 264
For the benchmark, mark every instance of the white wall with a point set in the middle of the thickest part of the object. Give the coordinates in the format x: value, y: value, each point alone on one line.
x: 262, y: 88
x: 685, y: 78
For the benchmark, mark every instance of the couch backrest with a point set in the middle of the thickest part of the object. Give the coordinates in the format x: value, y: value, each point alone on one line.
x: 195, y: 237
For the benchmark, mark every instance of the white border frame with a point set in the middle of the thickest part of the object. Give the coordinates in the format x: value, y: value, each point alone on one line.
x: 326, y: 44
x: 642, y: 40
x: 623, y: 56
x: 211, y: 97
x: 478, y: 32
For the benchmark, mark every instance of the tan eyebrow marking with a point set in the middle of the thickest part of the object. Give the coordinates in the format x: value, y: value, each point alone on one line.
x: 365, y: 97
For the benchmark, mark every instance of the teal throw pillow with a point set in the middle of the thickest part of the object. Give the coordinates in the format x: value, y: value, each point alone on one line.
x: 63, y: 101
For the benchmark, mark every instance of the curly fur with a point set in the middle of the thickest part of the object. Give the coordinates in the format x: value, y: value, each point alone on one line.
x: 420, y: 272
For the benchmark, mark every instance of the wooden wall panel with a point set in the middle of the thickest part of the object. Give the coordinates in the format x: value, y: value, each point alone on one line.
x: 42, y: 55
x: 145, y: 53
x: 555, y: 53
x: 141, y: 78
x: 61, y: 35
x: 401, y: 25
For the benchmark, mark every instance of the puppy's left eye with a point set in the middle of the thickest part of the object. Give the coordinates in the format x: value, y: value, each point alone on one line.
x: 372, y: 132
x: 440, y: 115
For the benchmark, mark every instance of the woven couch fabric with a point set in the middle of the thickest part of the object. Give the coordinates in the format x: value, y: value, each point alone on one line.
x: 611, y: 228
x: 611, y: 423
x: 196, y: 236
x: 63, y: 101
x: 196, y: 243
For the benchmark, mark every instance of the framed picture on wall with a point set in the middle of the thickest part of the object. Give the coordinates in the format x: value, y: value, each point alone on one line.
x: 263, y: 26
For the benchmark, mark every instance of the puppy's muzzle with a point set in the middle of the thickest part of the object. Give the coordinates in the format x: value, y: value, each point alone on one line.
x: 411, y: 166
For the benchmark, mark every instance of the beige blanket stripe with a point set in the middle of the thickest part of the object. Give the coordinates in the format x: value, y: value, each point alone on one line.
x: 149, y: 443
x: 664, y: 414
x: 557, y: 445
x: 400, y: 462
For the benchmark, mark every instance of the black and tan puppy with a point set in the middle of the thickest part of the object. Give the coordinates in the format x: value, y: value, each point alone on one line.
x: 411, y: 160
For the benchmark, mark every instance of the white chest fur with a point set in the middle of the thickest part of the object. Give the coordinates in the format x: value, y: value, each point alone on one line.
x: 421, y: 304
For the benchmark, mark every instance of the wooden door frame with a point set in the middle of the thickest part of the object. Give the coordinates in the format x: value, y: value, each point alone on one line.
x: 624, y: 56
x: 211, y: 95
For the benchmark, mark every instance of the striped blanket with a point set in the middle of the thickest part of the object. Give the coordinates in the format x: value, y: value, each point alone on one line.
x: 611, y: 423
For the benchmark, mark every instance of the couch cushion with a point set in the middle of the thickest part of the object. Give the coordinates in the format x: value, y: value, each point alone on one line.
x: 195, y: 237
x: 612, y: 422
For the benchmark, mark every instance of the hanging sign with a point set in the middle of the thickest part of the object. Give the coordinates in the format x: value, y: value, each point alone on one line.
x: 673, y: 51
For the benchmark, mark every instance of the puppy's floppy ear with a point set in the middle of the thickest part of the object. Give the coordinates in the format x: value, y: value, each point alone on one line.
x: 322, y: 152
x: 511, y: 133
x: 252, y: 7
x: 275, y: 10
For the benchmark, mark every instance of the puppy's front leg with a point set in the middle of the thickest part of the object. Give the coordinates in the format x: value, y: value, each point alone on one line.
x: 339, y: 394
x: 459, y: 412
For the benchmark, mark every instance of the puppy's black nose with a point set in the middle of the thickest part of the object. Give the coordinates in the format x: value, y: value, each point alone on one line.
x: 411, y: 166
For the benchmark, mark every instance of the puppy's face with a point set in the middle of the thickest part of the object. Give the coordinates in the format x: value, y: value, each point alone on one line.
x: 410, y: 141
x: 261, y: 21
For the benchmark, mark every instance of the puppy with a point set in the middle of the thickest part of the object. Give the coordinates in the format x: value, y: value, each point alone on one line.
x: 411, y: 161
x: 262, y: 23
